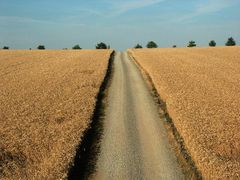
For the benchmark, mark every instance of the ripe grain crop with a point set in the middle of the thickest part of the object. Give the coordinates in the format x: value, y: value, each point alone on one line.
x: 46, y: 102
x: 201, y: 89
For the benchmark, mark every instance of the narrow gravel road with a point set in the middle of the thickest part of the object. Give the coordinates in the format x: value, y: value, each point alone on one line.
x: 134, y: 143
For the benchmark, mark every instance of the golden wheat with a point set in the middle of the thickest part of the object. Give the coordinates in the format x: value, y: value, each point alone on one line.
x: 46, y: 102
x: 201, y: 89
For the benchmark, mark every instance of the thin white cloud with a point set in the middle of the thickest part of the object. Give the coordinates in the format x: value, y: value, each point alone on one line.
x: 214, y: 6
x: 90, y: 12
x: 119, y: 7
x: 29, y: 20
x: 114, y: 8
x: 16, y: 19
x: 209, y: 7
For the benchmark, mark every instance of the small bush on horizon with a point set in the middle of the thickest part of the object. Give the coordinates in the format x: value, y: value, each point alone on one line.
x: 212, y: 43
x: 230, y: 42
x: 192, y: 44
x: 5, y: 47
x: 138, y: 46
x: 152, y: 44
x: 76, y: 47
x: 41, y: 47
x: 174, y: 46
x: 101, y: 45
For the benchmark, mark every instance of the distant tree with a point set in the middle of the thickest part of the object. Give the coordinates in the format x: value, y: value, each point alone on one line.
x: 231, y: 42
x: 212, y: 43
x: 101, y: 45
x: 152, y: 44
x: 5, y: 47
x: 76, y: 47
x: 109, y: 47
x: 192, y: 44
x: 41, y: 47
x: 174, y: 46
x: 65, y: 48
x: 138, y: 46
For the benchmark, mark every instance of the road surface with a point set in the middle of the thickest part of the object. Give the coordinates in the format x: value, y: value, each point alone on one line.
x: 134, y: 143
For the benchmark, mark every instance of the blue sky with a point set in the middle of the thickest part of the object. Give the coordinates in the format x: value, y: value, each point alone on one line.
x: 121, y: 23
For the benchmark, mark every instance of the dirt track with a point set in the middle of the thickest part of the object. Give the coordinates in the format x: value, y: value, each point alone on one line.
x: 134, y: 143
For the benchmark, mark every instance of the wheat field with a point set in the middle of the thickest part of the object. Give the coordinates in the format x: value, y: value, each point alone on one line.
x: 46, y: 102
x: 201, y: 89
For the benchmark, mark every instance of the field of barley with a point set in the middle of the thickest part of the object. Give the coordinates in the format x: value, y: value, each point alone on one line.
x: 46, y: 102
x: 201, y: 89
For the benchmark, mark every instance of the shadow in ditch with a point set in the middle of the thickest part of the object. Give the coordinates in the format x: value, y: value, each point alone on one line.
x: 89, y: 148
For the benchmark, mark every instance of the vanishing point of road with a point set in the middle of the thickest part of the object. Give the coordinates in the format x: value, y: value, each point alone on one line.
x: 134, y: 143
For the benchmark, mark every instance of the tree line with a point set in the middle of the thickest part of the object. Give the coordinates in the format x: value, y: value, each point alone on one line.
x: 212, y: 43
x: 100, y: 45
x: 150, y: 44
